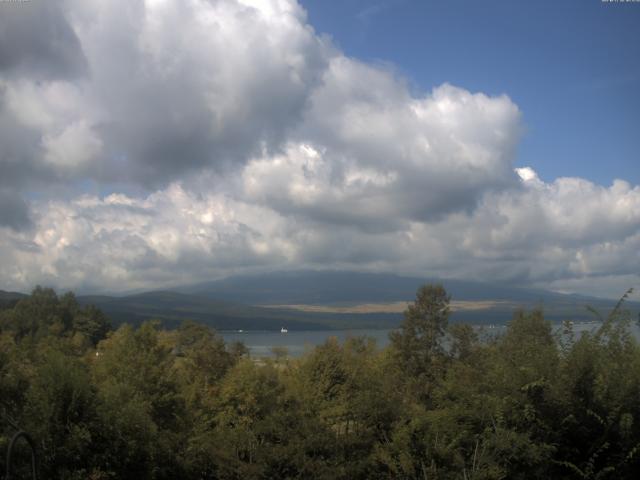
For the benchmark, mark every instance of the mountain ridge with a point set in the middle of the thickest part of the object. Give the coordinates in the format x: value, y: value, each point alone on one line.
x: 272, y: 300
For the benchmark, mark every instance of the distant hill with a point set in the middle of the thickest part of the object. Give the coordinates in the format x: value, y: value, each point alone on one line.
x: 172, y: 308
x: 9, y: 299
x: 352, y: 288
x: 334, y: 287
x: 271, y: 301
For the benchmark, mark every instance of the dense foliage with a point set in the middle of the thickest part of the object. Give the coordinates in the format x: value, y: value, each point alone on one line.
x: 148, y: 403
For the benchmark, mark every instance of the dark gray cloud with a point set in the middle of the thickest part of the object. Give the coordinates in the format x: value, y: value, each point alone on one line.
x: 36, y: 41
x: 14, y: 211
x: 176, y: 87
x: 167, y: 88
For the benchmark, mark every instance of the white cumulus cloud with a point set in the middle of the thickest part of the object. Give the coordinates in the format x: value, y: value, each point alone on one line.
x: 224, y: 136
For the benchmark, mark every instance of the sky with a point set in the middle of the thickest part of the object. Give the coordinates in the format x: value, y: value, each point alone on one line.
x: 571, y: 66
x: 152, y: 143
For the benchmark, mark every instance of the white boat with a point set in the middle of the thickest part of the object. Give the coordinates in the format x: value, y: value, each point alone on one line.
x: 284, y: 330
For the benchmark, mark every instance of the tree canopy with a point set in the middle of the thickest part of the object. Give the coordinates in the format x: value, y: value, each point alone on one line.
x: 148, y: 403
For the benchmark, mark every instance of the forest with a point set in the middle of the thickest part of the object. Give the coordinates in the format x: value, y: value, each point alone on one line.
x: 439, y: 402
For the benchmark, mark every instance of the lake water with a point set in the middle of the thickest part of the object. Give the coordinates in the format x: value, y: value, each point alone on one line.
x: 261, y: 343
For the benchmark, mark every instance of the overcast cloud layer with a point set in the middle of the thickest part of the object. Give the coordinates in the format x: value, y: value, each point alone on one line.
x: 151, y: 143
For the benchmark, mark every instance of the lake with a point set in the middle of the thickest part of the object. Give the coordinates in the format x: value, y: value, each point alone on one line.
x: 261, y: 343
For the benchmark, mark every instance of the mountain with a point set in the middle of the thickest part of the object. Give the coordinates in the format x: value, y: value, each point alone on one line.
x: 311, y: 300
x: 172, y: 308
x: 351, y: 288
x: 336, y: 287
x: 9, y: 299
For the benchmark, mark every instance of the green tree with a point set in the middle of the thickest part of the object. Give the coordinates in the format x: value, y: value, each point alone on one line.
x: 417, y: 345
x: 139, y: 403
x: 597, y: 431
x: 60, y: 413
x: 91, y: 323
x: 201, y: 360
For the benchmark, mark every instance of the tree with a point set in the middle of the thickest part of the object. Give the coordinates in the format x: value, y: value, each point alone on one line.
x: 201, y: 360
x: 139, y: 403
x: 60, y: 414
x: 92, y: 324
x: 418, y: 343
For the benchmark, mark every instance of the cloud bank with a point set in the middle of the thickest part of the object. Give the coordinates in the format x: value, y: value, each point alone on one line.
x: 150, y: 143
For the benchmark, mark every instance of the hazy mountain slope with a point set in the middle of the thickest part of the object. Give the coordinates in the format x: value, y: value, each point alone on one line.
x: 8, y: 299
x: 241, y: 302
x: 172, y: 308
x: 340, y: 288
x: 333, y: 287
